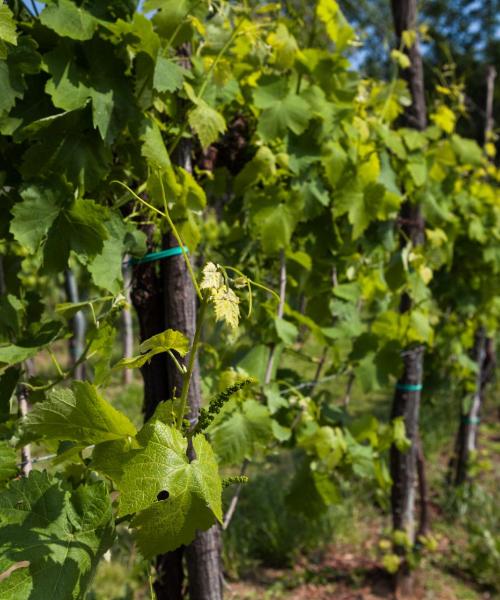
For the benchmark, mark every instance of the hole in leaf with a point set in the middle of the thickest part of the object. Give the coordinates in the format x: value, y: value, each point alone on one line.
x: 163, y: 495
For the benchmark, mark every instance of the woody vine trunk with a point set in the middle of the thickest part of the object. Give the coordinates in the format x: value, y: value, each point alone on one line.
x: 147, y: 298
x: 203, y: 555
x: 406, y: 402
x: 168, y: 300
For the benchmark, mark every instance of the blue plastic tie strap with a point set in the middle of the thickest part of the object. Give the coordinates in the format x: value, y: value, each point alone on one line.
x: 152, y: 256
x: 409, y: 387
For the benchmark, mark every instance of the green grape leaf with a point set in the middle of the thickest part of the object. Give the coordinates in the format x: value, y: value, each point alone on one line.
x: 106, y: 267
x: 65, y: 145
x: 68, y: 85
x: 79, y: 414
x: 38, y: 335
x: 11, y: 354
x: 287, y: 332
x: 19, y: 61
x: 7, y: 25
x: 161, y: 342
x: 337, y: 28
x: 168, y: 76
x: 12, y: 86
x: 284, y: 47
x: 282, y: 434
x: 172, y: 496
x: 34, y: 216
x: 274, y: 224
x: 52, y: 537
x: 467, y: 151
x: 80, y: 229
x: 153, y: 147
x: 207, y: 123
x: 236, y: 435
x: 282, y: 110
x: 69, y: 20
x: 8, y: 462
x: 418, y: 171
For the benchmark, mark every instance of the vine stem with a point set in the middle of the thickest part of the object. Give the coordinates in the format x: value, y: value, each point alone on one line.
x: 179, y: 240
x: 192, y: 359
x: 171, y: 224
x: 234, y: 500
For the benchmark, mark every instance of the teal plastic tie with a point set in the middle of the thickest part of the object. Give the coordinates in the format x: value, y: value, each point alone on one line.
x: 409, y: 387
x: 471, y: 420
x: 152, y: 256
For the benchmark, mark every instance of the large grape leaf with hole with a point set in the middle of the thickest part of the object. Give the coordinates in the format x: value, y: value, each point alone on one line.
x: 80, y: 414
x: 51, y: 537
x: 171, y: 497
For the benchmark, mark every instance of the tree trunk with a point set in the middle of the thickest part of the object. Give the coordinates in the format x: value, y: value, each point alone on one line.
x: 490, y: 92
x: 404, y: 14
x: 147, y: 298
x: 77, y: 340
x: 406, y: 401
x: 467, y: 432
x: 203, y: 555
x: 423, y: 492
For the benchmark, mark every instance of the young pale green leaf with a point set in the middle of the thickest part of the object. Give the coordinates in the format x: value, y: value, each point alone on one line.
x: 162, y: 342
x: 212, y: 277
x: 207, y: 123
x: 79, y: 414
x: 337, y: 28
x: 170, y: 339
x: 69, y: 20
x: 284, y: 47
x: 52, y: 537
x: 226, y: 304
x: 7, y: 25
x: 8, y: 462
